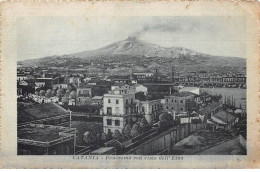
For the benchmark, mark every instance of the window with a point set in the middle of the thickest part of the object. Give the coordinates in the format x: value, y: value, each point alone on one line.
x: 109, y: 101
x: 181, y: 109
x: 117, y: 110
x: 166, y: 107
x: 181, y: 101
x: 109, y: 122
x: 126, y: 101
x: 132, y: 101
x: 172, y: 100
x: 175, y: 101
x: 117, y: 102
x: 166, y: 100
x: 117, y: 123
x: 172, y: 108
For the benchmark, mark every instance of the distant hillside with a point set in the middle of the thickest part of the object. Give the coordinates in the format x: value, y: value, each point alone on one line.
x: 142, y: 54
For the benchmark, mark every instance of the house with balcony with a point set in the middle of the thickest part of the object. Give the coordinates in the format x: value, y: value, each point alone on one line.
x: 118, y: 105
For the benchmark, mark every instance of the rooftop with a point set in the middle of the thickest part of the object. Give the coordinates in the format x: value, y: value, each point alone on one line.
x: 42, y: 133
x: 33, y: 112
x: 118, y: 77
x: 182, y: 94
x: 225, y: 116
x: 120, y: 84
x: 208, y: 109
x: 97, y: 97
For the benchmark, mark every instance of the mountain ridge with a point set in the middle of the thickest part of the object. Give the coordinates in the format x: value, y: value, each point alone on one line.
x: 141, y: 55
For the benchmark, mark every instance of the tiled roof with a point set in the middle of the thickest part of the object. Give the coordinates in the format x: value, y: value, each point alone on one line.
x: 225, y: 116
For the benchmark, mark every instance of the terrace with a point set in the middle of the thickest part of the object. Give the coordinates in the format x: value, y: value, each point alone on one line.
x: 44, y: 135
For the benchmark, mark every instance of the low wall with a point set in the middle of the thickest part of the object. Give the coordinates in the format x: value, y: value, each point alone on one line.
x: 164, y: 140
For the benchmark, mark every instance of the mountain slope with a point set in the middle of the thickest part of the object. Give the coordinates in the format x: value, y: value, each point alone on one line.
x: 141, y: 55
x: 138, y: 48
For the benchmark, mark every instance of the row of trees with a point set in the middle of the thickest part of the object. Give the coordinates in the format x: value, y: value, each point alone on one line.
x: 63, y: 94
x: 138, y: 127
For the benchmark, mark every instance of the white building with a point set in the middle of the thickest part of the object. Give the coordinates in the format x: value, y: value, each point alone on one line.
x: 117, y: 106
x: 140, y: 88
x: 194, y: 90
x: 21, y: 77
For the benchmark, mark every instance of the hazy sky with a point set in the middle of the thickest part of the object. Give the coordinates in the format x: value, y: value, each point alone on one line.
x: 46, y: 36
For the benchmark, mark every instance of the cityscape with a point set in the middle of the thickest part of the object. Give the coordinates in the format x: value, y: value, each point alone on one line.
x: 132, y: 98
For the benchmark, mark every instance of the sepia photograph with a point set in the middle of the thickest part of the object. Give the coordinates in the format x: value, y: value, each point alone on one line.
x: 131, y: 86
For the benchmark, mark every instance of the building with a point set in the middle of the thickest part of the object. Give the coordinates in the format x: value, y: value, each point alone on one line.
x: 84, y: 92
x: 216, y: 79
x: 211, y: 109
x: 140, y: 88
x: 233, y: 78
x: 121, y: 85
x: 117, y: 106
x: 74, y: 80
x: 205, y: 97
x: 97, y: 100
x: 47, y: 114
x: 203, y: 76
x: 21, y: 77
x: 38, y: 139
x: 44, y: 82
x: 84, y: 95
x: 222, y: 120
x: 178, y: 102
x: 150, y: 109
x: 143, y: 76
x: 119, y: 79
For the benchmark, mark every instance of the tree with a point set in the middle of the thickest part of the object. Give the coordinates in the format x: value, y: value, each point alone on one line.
x: 66, y: 97
x: 192, y: 106
x: 73, y: 94
x: 37, y: 93
x: 143, y: 124
x: 53, y: 93
x: 140, y: 96
x: 166, y: 117
x: 59, y: 94
x: 116, y: 134
x: 48, y: 93
x: 165, y: 121
x: 134, y: 119
x: 42, y: 93
x: 127, y: 130
x: 88, y: 137
x: 103, y: 137
x: 136, y: 130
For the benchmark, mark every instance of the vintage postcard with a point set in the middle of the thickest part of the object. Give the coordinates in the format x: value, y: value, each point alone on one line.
x: 129, y: 84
